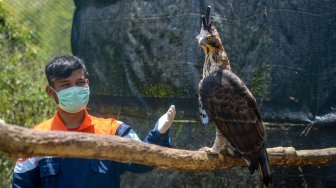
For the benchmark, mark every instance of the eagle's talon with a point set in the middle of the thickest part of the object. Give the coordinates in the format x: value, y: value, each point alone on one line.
x: 209, y: 150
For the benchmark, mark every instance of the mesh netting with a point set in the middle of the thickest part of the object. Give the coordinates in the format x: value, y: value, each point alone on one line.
x: 143, y: 56
x: 283, y: 51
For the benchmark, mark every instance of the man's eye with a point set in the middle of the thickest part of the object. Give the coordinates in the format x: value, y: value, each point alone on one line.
x: 81, y: 83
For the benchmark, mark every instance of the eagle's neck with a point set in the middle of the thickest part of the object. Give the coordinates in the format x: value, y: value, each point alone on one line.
x: 215, y: 60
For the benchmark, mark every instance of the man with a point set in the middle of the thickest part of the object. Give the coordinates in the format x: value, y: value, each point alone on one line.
x: 69, y: 87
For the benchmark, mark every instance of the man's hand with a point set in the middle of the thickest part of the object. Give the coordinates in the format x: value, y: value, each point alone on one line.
x: 165, y: 121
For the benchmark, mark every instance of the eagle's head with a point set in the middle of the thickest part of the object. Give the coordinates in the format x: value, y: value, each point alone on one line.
x: 209, y: 38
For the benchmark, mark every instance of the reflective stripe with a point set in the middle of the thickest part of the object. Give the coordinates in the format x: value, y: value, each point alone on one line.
x: 132, y: 135
x: 26, y: 165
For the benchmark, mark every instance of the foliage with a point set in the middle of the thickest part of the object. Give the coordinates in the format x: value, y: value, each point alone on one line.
x: 159, y: 90
x: 49, y: 21
x: 25, y: 46
x: 23, y: 100
x: 261, y: 81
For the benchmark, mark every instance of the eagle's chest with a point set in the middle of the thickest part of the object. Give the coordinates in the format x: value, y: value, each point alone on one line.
x: 219, y: 94
x: 211, y: 65
x: 210, y: 69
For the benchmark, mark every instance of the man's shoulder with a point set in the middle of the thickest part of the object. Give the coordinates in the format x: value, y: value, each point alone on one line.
x: 105, y: 125
x: 46, y: 125
x: 103, y: 120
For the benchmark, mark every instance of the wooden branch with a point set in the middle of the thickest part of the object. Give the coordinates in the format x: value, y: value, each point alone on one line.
x: 17, y: 141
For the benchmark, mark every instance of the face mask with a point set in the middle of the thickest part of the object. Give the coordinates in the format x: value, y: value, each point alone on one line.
x: 73, y: 99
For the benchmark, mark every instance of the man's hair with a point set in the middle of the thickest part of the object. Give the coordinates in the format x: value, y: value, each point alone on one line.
x: 61, y: 67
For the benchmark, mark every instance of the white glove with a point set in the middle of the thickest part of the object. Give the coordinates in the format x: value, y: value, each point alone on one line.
x: 165, y: 121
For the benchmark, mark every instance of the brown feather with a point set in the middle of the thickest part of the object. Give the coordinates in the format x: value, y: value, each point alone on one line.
x: 229, y: 103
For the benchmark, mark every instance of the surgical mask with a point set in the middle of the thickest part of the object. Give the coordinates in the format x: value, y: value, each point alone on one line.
x: 73, y: 99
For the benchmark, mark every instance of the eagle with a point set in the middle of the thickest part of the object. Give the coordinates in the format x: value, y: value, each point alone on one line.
x: 225, y: 100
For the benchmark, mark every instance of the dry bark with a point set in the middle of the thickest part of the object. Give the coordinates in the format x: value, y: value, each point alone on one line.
x: 17, y: 141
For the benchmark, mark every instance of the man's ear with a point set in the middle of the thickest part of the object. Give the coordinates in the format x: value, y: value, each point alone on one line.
x: 87, y: 82
x: 52, y: 93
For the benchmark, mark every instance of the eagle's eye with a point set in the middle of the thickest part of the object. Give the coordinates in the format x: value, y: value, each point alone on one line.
x: 209, y: 38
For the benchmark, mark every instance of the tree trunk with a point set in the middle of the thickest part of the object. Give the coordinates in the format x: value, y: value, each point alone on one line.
x: 17, y: 141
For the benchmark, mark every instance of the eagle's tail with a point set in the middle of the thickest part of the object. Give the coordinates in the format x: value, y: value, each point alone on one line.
x: 264, y: 167
x: 261, y: 160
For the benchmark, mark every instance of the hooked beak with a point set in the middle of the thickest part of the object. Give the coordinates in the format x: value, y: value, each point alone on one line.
x: 199, y: 40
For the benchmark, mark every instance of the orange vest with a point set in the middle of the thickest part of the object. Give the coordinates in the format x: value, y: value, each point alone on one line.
x: 90, y: 124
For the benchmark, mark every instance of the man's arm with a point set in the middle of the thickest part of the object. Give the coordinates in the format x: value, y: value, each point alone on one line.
x: 154, y: 137
x: 159, y: 136
x: 26, y: 173
x: 160, y: 133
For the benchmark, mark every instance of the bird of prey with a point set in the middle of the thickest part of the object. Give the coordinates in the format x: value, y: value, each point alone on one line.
x: 225, y: 100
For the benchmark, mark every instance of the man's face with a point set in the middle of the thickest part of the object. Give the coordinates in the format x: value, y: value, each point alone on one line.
x: 77, y: 78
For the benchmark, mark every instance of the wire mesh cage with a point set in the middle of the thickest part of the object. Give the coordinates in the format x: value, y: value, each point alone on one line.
x: 142, y: 56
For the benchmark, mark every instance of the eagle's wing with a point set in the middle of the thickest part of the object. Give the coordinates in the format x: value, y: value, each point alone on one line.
x: 234, y: 110
x: 202, y: 114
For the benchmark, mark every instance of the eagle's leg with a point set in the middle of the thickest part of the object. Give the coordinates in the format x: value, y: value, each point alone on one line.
x: 230, y: 149
x: 218, y: 144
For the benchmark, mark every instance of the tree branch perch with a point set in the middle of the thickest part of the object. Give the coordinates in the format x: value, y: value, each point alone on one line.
x: 17, y: 141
